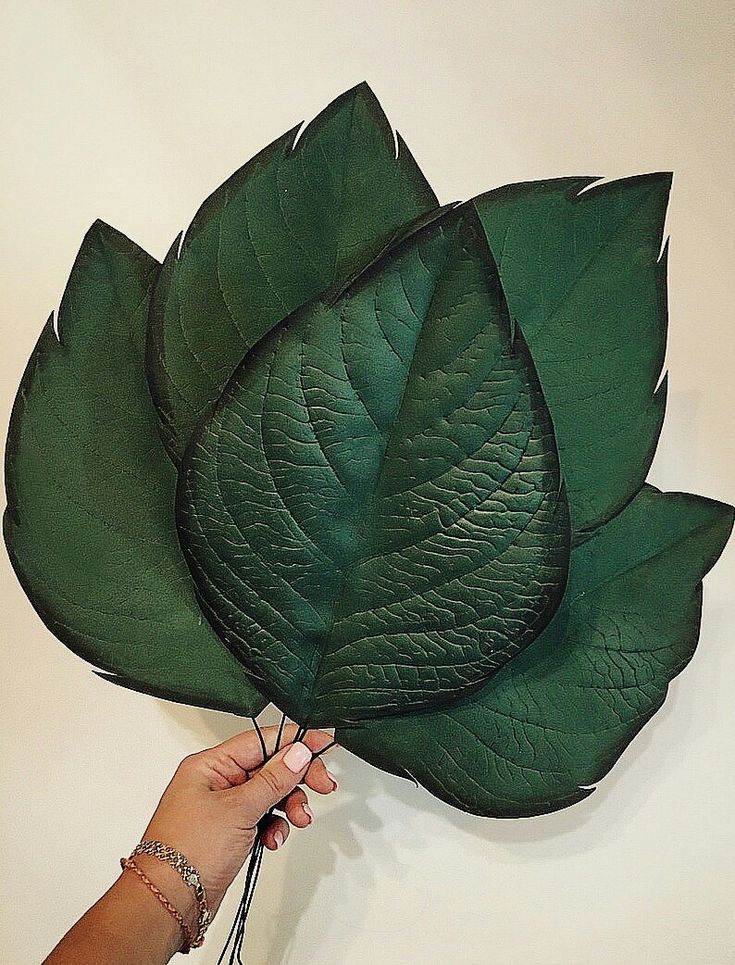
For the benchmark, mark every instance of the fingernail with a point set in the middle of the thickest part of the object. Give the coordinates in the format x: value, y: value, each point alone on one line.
x: 297, y: 757
x: 278, y: 838
x: 334, y: 781
x: 308, y: 812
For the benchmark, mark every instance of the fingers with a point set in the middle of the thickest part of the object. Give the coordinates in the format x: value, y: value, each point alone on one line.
x: 275, y: 831
x: 319, y: 779
x: 272, y: 783
x: 317, y: 740
x: 245, y: 751
x: 296, y: 808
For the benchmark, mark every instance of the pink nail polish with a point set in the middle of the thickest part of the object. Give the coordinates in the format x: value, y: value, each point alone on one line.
x: 297, y: 757
x: 278, y: 838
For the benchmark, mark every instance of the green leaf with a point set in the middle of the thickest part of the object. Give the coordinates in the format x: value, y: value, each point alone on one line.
x: 555, y: 719
x: 585, y: 280
x: 373, y: 513
x: 305, y: 214
x: 90, y: 519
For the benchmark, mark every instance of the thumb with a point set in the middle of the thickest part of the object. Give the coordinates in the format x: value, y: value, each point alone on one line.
x: 277, y: 778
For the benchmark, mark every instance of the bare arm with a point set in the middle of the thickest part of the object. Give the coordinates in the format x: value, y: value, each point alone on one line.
x: 210, y: 812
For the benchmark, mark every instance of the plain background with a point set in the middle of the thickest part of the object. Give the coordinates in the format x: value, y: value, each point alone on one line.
x: 134, y: 112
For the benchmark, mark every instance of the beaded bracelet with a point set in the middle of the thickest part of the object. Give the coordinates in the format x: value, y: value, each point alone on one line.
x: 190, y: 876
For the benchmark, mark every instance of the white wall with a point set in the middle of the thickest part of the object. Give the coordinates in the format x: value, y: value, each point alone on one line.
x: 133, y: 112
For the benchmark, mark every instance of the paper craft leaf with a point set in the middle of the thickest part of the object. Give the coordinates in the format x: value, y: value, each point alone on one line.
x: 373, y: 514
x: 303, y: 215
x: 585, y: 280
x: 90, y: 520
x: 370, y: 499
x: 553, y: 721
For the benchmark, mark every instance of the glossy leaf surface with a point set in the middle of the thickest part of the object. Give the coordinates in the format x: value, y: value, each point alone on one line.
x: 553, y: 721
x: 90, y: 519
x: 585, y: 280
x: 373, y: 514
x: 301, y: 216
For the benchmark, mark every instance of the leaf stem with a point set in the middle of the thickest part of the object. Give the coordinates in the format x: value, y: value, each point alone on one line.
x: 280, y: 733
x: 261, y: 738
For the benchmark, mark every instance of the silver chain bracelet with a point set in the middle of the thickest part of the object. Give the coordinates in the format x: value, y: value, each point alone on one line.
x: 189, y: 875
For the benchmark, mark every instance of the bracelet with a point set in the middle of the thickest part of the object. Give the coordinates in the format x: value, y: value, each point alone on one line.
x: 190, y: 877
x: 128, y: 864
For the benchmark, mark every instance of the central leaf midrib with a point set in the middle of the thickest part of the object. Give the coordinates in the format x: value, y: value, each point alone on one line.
x: 608, y: 242
x: 652, y: 556
x: 341, y: 205
x: 324, y: 652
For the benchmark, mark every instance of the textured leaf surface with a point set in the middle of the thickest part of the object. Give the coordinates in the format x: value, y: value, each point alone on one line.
x: 302, y: 216
x: 585, y: 281
x: 555, y: 719
x: 373, y: 514
x: 90, y: 519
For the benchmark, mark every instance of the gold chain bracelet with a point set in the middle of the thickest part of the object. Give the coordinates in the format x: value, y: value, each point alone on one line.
x: 127, y: 864
x: 189, y: 875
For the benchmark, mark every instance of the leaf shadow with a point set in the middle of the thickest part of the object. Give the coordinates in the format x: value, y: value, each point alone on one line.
x: 625, y: 790
x: 296, y: 917
x: 291, y: 879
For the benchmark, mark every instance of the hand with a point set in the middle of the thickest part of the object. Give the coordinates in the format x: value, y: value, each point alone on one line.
x: 211, y: 809
x: 209, y: 812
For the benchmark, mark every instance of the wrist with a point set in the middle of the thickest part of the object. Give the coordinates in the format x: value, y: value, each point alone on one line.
x: 138, y: 917
x: 164, y: 890
x: 172, y: 886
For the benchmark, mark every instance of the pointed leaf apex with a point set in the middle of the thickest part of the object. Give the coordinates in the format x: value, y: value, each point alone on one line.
x: 359, y: 94
x: 363, y: 89
x: 102, y: 236
x: 100, y: 231
x: 659, y: 180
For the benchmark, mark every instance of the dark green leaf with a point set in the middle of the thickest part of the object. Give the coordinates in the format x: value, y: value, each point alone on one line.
x: 554, y: 720
x: 373, y: 513
x: 90, y: 519
x: 585, y: 280
x: 302, y: 216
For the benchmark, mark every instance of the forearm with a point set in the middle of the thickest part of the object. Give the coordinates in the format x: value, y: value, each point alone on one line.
x: 211, y: 812
x: 128, y: 925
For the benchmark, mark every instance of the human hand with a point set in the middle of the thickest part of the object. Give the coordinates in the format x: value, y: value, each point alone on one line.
x: 211, y: 809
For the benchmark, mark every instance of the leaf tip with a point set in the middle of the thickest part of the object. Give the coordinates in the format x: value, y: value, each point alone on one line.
x: 100, y: 232
x: 664, y: 178
x: 362, y: 90
x: 361, y: 93
x: 102, y: 238
x: 359, y: 99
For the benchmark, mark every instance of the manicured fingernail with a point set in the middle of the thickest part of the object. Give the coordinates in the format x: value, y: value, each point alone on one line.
x: 308, y: 812
x: 278, y: 838
x: 297, y: 757
x: 333, y: 779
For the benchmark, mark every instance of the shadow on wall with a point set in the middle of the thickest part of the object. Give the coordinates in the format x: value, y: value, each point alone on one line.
x: 355, y: 818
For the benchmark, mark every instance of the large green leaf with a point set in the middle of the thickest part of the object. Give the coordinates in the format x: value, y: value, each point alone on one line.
x: 554, y: 720
x: 301, y: 216
x: 90, y: 519
x: 585, y: 280
x: 373, y: 514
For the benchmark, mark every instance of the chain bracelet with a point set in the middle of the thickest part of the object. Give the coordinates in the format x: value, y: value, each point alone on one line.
x: 189, y: 875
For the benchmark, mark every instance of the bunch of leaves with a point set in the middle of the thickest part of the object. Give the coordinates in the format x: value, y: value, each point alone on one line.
x: 378, y: 461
